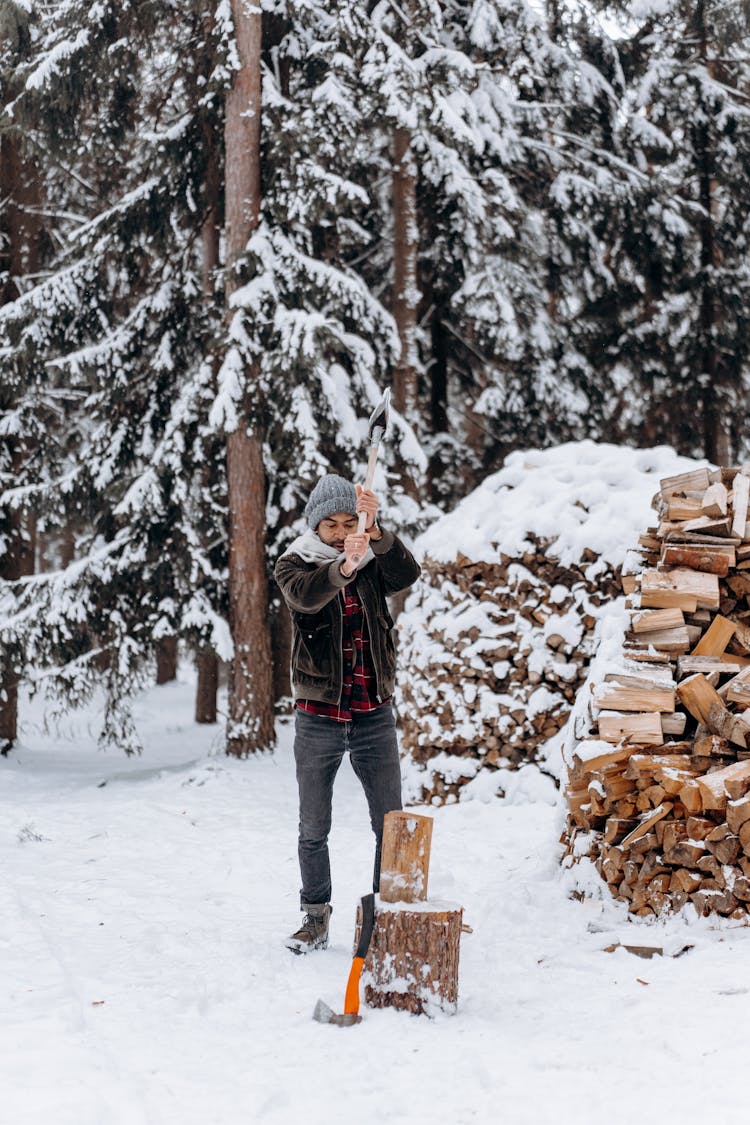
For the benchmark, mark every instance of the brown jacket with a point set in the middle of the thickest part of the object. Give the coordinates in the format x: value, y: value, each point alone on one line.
x: 311, y: 592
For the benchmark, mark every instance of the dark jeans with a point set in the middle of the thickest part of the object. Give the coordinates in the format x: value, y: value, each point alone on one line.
x: 319, y: 745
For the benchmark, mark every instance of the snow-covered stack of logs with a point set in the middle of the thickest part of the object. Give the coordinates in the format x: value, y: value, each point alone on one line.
x: 659, y: 790
x: 492, y: 656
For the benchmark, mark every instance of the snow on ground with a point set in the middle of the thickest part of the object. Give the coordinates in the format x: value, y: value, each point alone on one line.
x: 145, y: 981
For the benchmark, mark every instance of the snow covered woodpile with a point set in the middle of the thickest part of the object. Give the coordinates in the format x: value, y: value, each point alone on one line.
x: 496, y: 639
x: 658, y: 782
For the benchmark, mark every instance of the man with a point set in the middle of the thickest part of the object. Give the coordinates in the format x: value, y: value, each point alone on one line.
x: 335, y: 583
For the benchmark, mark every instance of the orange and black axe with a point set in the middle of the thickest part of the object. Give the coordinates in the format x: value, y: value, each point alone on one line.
x: 350, y: 1015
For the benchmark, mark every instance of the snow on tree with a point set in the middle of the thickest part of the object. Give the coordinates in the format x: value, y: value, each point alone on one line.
x: 678, y: 329
x: 113, y: 343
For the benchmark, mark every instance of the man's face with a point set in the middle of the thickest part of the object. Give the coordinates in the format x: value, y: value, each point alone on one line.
x: 334, y: 529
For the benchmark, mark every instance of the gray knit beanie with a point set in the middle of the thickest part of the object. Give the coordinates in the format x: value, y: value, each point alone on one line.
x: 331, y: 494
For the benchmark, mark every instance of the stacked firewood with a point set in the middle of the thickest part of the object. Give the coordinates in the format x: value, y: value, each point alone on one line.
x: 491, y: 657
x: 659, y: 779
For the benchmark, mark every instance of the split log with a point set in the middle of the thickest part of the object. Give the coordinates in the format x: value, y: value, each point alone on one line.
x: 696, y: 480
x: 715, y: 500
x: 713, y: 785
x: 722, y: 665
x: 681, y: 588
x: 405, y: 862
x: 646, y: 823
x: 708, y: 559
x: 643, y: 730
x: 741, y: 495
x: 716, y: 638
x: 728, y: 726
x: 620, y: 698
x: 651, y: 620
x: 698, y: 697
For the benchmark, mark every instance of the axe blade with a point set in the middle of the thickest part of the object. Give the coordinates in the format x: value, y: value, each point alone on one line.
x: 378, y: 424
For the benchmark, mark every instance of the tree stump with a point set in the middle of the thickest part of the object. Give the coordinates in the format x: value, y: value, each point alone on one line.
x: 412, y: 963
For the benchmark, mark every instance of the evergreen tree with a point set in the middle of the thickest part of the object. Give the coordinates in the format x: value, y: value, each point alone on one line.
x: 115, y: 342
x: 683, y: 295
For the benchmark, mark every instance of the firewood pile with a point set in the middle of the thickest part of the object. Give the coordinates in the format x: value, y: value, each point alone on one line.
x: 658, y: 785
x: 491, y: 657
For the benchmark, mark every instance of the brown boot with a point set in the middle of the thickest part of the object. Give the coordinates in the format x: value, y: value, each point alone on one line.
x: 313, y: 933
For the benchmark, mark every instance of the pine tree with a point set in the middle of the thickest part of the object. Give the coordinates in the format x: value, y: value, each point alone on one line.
x: 117, y: 339
x: 683, y: 288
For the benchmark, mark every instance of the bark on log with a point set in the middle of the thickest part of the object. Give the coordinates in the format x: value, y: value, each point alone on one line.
x: 251, y: 715
x: 412, y: 964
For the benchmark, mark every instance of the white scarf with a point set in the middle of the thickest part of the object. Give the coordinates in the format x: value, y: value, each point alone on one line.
x: 310, y: 547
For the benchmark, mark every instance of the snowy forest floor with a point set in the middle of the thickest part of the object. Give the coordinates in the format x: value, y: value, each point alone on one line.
x: 145, y: 980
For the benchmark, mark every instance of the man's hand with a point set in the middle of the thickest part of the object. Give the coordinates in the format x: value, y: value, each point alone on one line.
x: 368, y: 502
x: 355, y: 549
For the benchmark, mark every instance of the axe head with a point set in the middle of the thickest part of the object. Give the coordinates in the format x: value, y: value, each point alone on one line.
x: 324, y: 1014
x: 378, y: 423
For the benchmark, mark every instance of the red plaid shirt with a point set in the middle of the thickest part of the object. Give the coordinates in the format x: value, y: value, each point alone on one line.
x: 359, y: 687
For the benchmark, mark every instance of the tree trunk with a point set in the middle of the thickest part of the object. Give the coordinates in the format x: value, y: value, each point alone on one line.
x: 281, y: 631
x: 19, y: 245
x: 208, y: 685
x: 166, y: 660
x: 405, y: 287
x: 715, y: 432
x: 207, y: 662
x: 251, y: 725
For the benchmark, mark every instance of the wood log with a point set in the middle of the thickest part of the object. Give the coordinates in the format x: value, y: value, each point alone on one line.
x: 698, y: 697
x: 741, y: 495
x: 652, y: 620
x: 716, y: 638
x: 405, y: 863
x: 737, y: 787
x: 685, y: 853
x: 646, y: 824
x: 412, y: 963
x: 696, y: 480
x: 684, y: 880
x: 708, y: 900
x: 740, y: 643
x: 728, y: 726
x: 713, y: 785
x: 670, y: 832
x: 724, y: 844
x: 709, y: 525
x: 682, y: 587
x: 715, y: 500
x: 722, y: 665
x: 738, y: 813
x: 690, y: 796
x: 617, y: 698
x: 708, y: 559
x: 698, y: 827
x: 741, y: 888
x: 672, y: 641
x: 642, y: 730
x: 683, y: 508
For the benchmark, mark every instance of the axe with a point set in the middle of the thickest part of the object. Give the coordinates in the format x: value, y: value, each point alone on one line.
x: 324, y: 1014
x: 376, y: 430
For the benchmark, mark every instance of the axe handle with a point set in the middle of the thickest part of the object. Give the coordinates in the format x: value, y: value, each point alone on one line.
x: 368, y: 483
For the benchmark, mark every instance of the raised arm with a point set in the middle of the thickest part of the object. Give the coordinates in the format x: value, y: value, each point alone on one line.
x: 396, y: 563
x: 305, y: 590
